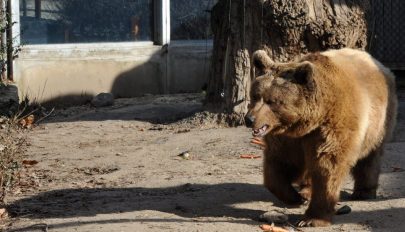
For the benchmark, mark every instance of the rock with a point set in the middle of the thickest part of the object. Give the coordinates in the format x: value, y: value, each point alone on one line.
x: 102, y: 100
x: 274, y: 216
x: 344, y: 210
x: 184, y: 155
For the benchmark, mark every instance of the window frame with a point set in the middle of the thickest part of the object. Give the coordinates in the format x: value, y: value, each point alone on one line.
x: 160, y: 50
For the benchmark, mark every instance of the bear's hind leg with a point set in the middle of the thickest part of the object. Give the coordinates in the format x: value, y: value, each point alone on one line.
x: 304, y: 186
x: 365, y: 174
x: 278, y: 178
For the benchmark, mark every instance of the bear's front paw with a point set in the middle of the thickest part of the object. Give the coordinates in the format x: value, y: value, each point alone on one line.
x: 313, y: 222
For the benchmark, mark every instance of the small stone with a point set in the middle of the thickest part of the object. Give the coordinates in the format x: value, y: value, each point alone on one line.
x: 184, y: 155
x: 274, y: 216
x: 343, y: 210
x: 102, y: 100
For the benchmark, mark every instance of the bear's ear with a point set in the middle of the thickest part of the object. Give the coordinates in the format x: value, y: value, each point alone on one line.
x: 303, y: 73
x: 262, y: 61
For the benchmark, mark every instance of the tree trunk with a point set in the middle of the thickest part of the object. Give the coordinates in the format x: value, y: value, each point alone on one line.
x: 285, y: 29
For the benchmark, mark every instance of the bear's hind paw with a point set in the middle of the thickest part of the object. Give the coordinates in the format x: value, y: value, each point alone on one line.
x: 312, y: 222
x: 364, y: 194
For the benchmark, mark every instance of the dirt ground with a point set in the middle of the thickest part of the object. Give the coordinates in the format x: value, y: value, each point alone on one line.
x: 117, y: 169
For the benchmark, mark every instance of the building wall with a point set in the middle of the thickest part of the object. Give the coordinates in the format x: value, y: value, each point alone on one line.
x: 68, y: 59
x: 74, y: 73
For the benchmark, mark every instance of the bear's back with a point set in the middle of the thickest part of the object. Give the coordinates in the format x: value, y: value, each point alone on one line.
x: 360, y: 62
x: 375, y: 87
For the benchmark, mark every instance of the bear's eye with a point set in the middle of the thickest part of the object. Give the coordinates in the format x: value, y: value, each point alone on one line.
x: 287, y: 74
x: 254, y: 98
x: 273, y: 102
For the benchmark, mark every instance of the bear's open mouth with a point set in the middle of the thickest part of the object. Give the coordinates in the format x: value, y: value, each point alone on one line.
x: 262, y: 131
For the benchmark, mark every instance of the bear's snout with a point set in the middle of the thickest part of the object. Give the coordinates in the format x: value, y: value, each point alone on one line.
x: 249, y: 120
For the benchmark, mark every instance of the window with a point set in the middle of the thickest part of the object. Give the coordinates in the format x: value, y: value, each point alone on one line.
x: 85, y: 21
x: 190, y: 19
x: 92, y: 21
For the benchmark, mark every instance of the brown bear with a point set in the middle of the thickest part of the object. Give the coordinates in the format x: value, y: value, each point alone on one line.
x: 323, y: 116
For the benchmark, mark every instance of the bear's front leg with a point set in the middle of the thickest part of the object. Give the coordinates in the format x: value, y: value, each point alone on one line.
x: 278, y: 178
x: 327, y: 174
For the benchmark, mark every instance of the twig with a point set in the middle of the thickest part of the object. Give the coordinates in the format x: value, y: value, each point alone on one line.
x: 17, y: 118
x: 250, y: 156
x: 20, y: 112
x: 47, y: 115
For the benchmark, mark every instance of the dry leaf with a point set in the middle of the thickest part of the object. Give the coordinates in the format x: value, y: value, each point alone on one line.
x: 29, y: 162
x: 3, y: 213
x: 30, y: 119
x: 22, y: 122
x: 27, y: 121
x: 249, y: 156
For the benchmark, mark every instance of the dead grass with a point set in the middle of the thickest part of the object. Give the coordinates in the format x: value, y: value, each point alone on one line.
x: 11, y: 149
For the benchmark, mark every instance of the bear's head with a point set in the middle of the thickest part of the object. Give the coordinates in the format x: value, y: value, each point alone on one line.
x: 283, y: 97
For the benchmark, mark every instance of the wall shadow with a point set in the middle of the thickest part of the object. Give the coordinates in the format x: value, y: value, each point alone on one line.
x: 189, y: 200
x: 138, y: 90
x: 8, y: 100
x: 156, y: 109
x: 65, y: 101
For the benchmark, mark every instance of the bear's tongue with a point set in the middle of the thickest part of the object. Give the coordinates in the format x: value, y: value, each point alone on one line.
x: 260, y: 131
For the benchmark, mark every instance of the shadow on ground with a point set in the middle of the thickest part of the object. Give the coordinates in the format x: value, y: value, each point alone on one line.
x: 187, y: 201
x: 350, y: 218
x: 152, y: 108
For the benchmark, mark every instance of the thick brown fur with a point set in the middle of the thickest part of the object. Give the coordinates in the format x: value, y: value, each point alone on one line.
x: 324, y: 115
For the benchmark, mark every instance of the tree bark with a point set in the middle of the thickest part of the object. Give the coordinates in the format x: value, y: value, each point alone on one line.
x: 285, y: 29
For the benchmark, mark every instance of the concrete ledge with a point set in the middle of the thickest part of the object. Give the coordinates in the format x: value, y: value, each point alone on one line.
x: 77, y: 72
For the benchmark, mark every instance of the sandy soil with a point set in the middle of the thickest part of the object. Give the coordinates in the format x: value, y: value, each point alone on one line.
x: 117, y: 169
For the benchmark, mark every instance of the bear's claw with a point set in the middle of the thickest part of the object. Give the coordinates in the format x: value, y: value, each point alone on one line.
x: 312, y: 222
